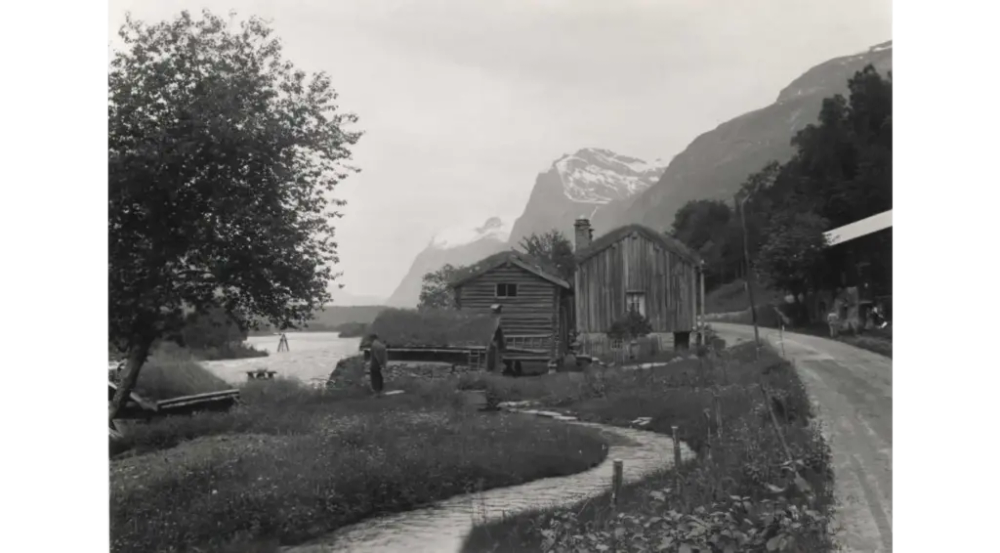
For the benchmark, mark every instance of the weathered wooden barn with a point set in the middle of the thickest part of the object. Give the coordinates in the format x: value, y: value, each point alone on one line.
x: 536, y: 310
x: 635, y: 268
x: 862, y: 251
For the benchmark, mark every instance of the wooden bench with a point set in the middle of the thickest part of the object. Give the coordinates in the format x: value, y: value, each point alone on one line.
x: 209, y: 401
x: 261, y: 374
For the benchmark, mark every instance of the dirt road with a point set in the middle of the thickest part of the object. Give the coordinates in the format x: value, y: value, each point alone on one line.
x: 851, y: 389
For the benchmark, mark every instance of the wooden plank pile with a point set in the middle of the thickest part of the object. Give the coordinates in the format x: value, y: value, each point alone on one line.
x: 138, y: 407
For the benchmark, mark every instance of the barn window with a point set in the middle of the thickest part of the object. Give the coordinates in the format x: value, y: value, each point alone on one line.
x: 636, y: 301
x: 506, y: 290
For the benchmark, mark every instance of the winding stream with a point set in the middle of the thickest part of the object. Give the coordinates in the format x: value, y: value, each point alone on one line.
x: 442, y: 527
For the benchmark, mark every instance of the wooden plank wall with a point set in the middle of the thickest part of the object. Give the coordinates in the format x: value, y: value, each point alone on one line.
x: 636, y: 264
x: 532, y: 312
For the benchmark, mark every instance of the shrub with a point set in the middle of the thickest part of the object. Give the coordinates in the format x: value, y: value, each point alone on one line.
x: 630, y: 326
x: 737, y: 524
x: 172, y: 371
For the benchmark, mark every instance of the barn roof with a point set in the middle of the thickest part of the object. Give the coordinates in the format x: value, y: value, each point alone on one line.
x: 527, y: 262
x: 857, y: 229
x: 666, y: 242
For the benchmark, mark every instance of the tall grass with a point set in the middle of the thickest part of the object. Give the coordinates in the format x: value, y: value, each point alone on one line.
x: 292, y: 463
x: 725, y: 502
x: 172, y: 371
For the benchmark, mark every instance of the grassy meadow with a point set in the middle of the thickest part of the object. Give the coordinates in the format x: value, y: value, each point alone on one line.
x: 291, y: 463
x: 742, y: 494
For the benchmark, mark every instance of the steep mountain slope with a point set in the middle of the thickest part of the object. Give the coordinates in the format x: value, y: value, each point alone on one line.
x: 457, y: 246
x: 344, y: 297
x: 590, y: 183
x: 719, y: 161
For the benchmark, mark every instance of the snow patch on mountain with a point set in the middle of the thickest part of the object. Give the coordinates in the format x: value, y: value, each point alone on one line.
x: 598, y: 176
x: 874, y: 49
x: 460, y: 235
x: 879, y: 47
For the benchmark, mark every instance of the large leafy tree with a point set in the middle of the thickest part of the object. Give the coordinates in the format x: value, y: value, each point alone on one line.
x: 842, y: 169
x: 710, y: 228
x: 221, y: 159
x: 793, y: 256
x: 435, y: 288
x: 698, y: 222
x: 212, y: 329
x: 554, y: 248
x: 841, y: 172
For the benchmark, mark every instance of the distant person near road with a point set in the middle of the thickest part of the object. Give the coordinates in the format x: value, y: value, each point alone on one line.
x: 878, y: 318
x: 833, y: 319
x: 379, y: 361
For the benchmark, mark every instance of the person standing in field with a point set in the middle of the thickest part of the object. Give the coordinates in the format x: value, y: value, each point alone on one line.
x: 379, y: 361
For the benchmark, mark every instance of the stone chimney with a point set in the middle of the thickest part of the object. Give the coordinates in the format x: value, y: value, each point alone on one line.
x: 583, y: 234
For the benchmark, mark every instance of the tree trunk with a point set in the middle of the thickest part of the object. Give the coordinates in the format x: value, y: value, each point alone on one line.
x: 801, y: 307
x: 137, y: 355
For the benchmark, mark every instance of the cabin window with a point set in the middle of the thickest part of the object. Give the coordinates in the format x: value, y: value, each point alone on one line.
x: 636, y: 301
x: 506, y: 290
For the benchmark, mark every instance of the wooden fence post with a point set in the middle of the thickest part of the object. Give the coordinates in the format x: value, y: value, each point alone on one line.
x: 708, y: 433
x: 677, y: 460
x: 774, y: 422
x: 717, y: 405
x: 616, y: 483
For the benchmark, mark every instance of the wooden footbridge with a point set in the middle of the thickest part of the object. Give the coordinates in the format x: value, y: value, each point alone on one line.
x: 138, y: 407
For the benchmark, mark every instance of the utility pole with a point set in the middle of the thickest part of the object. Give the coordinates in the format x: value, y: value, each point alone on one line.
x: 702, y: 322
x: 746, y: 261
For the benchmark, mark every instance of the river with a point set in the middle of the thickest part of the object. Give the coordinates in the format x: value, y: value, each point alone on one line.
x: 311, y: 357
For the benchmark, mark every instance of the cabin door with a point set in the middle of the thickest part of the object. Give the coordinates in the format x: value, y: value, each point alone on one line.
x: 563, y: 329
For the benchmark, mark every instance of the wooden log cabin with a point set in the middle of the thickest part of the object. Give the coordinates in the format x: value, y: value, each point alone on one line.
x: 635, y: 268
x: 536, y: 310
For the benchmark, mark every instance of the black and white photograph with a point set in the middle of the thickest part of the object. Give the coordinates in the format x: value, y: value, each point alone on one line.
x: 462, y: 276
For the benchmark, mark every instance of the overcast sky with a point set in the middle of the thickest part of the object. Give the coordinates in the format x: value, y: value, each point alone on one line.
x: 464, y: 102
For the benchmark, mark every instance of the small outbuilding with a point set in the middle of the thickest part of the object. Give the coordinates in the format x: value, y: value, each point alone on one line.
x: 534, y: 303
x: 635, y: 268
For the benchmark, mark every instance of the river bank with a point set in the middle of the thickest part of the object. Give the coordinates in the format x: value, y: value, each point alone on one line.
x: 311, y: 357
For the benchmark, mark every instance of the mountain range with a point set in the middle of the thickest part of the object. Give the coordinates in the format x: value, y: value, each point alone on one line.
x: 614, y: 190
x: 458, y: 245
x: 583, y: 184
x: 716, y: 163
